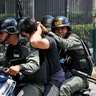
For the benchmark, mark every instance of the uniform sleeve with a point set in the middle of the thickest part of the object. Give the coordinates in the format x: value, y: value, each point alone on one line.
x: 32, y: 63
x: 72, y: 42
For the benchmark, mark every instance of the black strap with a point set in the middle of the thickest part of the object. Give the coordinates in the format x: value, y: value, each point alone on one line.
x: 85, y: 47
x: 8, y: 36
x: 87, y: 51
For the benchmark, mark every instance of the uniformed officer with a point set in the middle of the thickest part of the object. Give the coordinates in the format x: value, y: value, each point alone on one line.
x: 10, y: 35
x: 47, y: 21
x: 69, y: 46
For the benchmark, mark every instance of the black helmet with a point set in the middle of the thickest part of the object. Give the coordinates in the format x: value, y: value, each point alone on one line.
x: 60, y: 21
x: 8, y: 25
x: 47, y: 21
x: 19, y: 20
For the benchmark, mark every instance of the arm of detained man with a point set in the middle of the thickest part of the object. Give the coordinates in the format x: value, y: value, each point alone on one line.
x: 37, y: 41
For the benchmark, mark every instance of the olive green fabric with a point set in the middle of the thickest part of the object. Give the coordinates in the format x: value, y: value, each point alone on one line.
x: 72, y: 42
x: 74, y: 83
x: 32, y: 90
x: 71, y: 85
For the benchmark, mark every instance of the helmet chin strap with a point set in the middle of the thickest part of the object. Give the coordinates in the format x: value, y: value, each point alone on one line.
x: 8, y: 36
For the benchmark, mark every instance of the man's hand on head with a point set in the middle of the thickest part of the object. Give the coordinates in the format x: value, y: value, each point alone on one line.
x: 44, y: 29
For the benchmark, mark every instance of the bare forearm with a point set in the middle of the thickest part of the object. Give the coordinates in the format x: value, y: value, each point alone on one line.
x: 36, y: 37
x: 37, y: 41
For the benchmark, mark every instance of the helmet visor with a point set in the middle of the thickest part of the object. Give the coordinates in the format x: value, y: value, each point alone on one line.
x: 10, y: 30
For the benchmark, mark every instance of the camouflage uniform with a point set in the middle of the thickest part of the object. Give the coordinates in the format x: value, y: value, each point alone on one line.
x: 71, y: 43
x: 32, y: 64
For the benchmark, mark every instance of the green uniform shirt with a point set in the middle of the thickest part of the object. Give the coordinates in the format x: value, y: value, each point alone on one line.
x: 32, y: 63
x: 71, y: 43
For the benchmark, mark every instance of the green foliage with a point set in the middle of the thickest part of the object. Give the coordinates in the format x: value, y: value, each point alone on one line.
x: 85, y: 31
x: 7, y: 15
x: 82, y: 30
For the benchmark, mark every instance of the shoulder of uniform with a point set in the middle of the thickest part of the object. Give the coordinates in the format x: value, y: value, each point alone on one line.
x: 74, y: 35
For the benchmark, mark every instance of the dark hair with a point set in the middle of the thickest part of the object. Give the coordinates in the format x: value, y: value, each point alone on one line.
x: 28, y: 25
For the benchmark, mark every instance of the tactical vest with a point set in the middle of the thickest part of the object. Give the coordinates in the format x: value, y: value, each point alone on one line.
x: 16, y: 54
x: 74, y: 60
